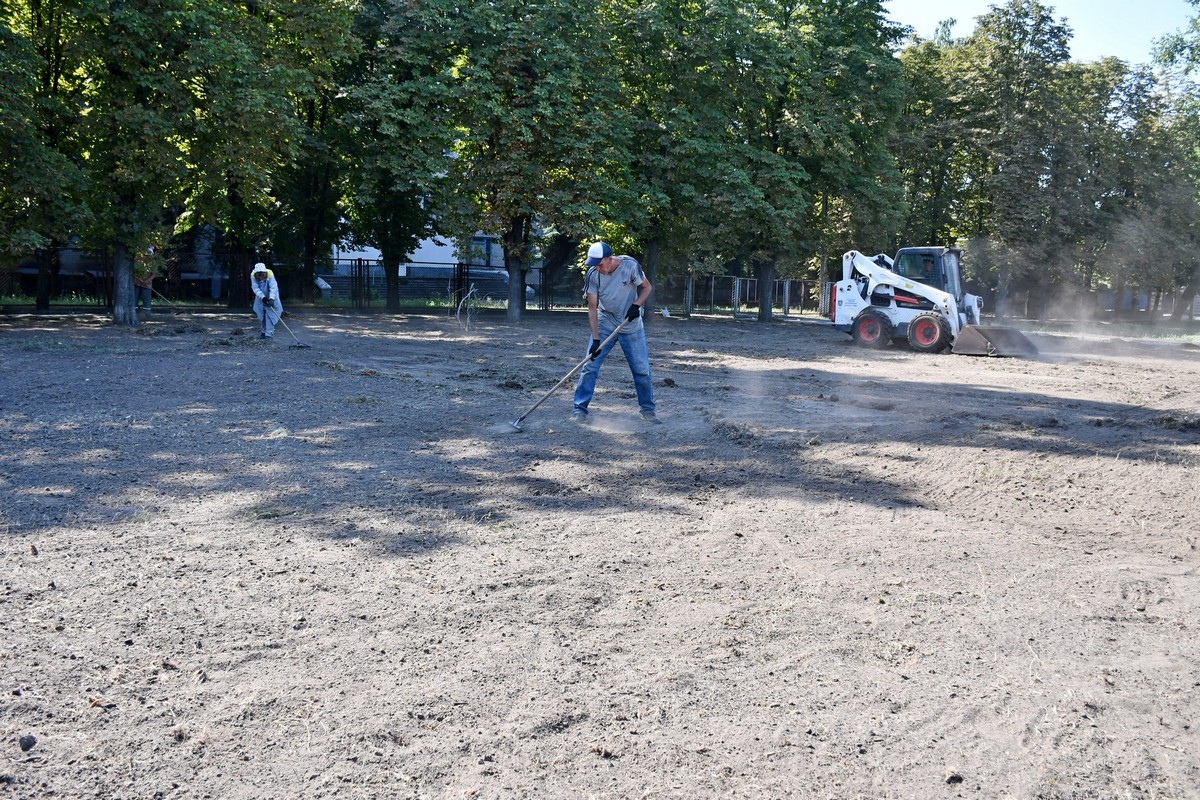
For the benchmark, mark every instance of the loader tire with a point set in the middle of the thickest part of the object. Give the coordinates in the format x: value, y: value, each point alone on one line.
x: 872, y: 329
x: 927, y: 333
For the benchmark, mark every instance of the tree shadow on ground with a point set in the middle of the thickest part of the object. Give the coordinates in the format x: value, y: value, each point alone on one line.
x: 389, y: 432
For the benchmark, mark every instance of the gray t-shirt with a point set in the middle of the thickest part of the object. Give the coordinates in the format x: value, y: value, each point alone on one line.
x: 616, y: 292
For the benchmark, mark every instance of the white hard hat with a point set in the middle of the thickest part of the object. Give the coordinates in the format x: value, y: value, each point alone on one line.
x: 259, y: 267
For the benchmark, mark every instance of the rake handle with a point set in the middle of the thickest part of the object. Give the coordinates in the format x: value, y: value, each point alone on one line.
x: 517, y: 422
x: 279, y: 319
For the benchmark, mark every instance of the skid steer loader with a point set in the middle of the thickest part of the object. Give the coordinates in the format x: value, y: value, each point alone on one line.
x: 917, y: 296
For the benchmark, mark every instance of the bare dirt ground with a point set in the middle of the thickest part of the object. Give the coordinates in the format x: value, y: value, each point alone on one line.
x: 237, y: 570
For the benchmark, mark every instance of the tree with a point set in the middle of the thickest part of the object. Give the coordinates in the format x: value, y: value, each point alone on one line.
x: 858, y: 100
x: 812, y: 91
x: 169, y: 110
x: 138, y: 124
x: 540, y: 126
x: 929, y: 145
x: 401, y: 125
x: 250, y: 65
x: 41, y: 185
x: 1006, y: 79
x: 316, y: 47
x: 678, y: 127
x: 758, y: 192
x: 1179, y: 53
x: 1107, y: 167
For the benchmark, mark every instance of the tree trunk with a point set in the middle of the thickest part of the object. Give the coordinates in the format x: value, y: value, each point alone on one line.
x: 653, y: 249
x: 46, y: 262
x: 239, y: 274
x: 1043, y: 299
x: 1184, y: 305
x: 556, y: 257
x: 124, y: 299
x: 823, y: 274
x: 391, y: 278
x: 308, y: 269
x: 318, y: 208
x: 239, y: 254
x: 764, y: 271
x: 516, y: 253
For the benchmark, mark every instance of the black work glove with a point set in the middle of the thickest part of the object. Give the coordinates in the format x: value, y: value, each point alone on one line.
x: 633, y: 313
x: 594, y: 350
x: 268, y: 300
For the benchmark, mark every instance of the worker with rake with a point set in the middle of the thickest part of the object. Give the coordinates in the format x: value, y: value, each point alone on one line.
x: 616, y: 289
x: 266, y: 296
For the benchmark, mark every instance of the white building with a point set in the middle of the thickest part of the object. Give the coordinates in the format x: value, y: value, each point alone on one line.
x: 486, y: 252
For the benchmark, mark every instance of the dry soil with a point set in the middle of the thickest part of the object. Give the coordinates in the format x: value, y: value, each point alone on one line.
x: 233, y: 569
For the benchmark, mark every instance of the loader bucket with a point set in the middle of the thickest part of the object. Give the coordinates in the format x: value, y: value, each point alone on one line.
x: 992, y: 340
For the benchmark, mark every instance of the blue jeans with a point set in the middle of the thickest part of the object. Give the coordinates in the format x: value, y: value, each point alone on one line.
x: 634, y: 346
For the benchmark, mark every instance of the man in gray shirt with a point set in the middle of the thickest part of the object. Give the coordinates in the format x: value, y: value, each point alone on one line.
x: 616, y: 288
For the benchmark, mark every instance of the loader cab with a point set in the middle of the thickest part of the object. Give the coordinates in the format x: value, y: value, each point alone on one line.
x: 934, y: 266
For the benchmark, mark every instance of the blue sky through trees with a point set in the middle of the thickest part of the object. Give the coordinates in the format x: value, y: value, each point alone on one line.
x: 1123, y: 28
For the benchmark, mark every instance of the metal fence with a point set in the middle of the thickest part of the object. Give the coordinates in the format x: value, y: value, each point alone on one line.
x: 79, y: 276
x: 728, y: 294
x: 85, y: 277
x: 362, y: 283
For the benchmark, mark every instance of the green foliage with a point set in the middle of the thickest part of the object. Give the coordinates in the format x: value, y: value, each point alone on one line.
x: 540, y: 125
x: 806, y: 96
x: 40, y: 182
x: 1006, y: 80
x: 243, y: 79
x: 400, y: 124
x: 311, y: 49
x: 929, y: 143
x: 858, y: 100
x: 704, y: 136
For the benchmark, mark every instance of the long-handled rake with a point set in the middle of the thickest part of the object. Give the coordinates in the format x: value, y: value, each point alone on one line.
x: 516, y: 423
x: 299, y: 345
x: 170, y: 305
